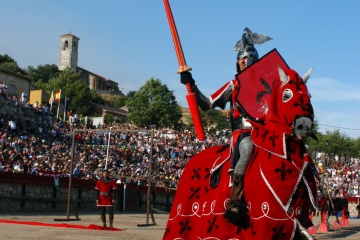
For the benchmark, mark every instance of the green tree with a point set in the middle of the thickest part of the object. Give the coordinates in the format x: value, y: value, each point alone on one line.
x: 130, y: 94
x: 338, y: 143
x: 153, y: 104
x: 10, y: 64
x: 6, y: 58
x: 71, y: 86
x: 355, y: 147
x: 118, y: 102
x: 332, y: 142
x: 43, y: 73
x: 211, y: 120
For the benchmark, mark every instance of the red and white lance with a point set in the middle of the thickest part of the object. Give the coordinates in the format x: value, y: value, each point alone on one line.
x: 190, y: 97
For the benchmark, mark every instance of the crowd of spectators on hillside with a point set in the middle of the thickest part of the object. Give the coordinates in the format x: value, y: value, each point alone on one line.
x: 127, y: 154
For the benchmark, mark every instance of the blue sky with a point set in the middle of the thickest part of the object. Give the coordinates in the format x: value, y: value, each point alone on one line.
x: 129, y: 41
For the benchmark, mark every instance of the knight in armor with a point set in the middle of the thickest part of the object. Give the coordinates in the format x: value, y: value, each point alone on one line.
x: 105, y: 187
x: 242, y: 146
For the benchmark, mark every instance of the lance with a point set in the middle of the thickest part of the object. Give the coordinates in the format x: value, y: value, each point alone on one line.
x: 190, y: 97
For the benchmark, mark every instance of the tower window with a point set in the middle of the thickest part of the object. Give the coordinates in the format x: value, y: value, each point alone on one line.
x: 74, y: 45
x: 66, y: 45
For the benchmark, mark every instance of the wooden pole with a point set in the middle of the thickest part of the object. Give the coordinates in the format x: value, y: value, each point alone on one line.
x: 148, y: 206
x: 71, y: 173
x: 70, y: 182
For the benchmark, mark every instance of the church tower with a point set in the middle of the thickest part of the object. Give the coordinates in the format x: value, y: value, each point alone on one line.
x: 69, y: 45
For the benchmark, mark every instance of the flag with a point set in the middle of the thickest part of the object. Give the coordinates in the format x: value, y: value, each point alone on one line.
x: 57, y: 96
x: 57, y: 99
x: 51, y: 100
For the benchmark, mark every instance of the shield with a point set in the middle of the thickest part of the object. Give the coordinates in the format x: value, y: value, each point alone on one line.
x: 256, y: 84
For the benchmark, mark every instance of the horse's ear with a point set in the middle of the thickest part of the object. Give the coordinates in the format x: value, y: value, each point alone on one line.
x: 283, y: 77
x: 307, y: 75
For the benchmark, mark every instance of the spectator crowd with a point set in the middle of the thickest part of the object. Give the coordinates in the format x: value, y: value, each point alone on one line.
x: 126, y: 152
x: 340, y: 173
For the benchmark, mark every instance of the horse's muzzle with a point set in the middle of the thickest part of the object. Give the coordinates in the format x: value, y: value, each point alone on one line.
x: 303, y: 127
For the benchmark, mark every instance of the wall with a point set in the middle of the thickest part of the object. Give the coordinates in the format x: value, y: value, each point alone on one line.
x: 15, y: 82
x: 32, y: 193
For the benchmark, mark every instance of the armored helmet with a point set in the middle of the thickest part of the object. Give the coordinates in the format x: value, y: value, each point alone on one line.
x: 245, y: 46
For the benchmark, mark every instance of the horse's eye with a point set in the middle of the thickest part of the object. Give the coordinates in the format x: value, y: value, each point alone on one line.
x: 287, y: 95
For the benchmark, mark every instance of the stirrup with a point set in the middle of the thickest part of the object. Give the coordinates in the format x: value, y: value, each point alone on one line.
x: 239, y: 220
x: 237, y: 207
x: 237, y: 214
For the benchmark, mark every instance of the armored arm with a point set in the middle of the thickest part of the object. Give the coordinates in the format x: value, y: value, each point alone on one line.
x: 203, y: 102
x: 218, y: 99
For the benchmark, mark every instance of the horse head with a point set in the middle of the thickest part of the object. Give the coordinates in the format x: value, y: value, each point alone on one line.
x: 290, y: 105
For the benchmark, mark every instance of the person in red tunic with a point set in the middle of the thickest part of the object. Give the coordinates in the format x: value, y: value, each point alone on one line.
x: 105, y: 187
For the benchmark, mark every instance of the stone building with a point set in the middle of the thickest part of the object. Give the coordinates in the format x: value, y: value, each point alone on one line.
x: 69, y: 52
x: 15, y: 82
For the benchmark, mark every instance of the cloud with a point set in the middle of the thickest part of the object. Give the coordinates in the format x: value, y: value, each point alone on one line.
x: 336, y: 105
x: 328, y: 89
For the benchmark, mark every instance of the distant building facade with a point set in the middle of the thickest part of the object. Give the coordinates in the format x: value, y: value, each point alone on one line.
x: 69, y: 52
x: 15, y: 82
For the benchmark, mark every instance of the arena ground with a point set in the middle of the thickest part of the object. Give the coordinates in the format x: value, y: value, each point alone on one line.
x: 128, y: 222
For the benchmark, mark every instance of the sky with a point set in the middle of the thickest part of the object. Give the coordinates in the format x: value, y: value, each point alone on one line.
x: 129, y: 42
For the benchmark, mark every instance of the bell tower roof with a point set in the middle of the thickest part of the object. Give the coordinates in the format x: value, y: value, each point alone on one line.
x: 70, y: 35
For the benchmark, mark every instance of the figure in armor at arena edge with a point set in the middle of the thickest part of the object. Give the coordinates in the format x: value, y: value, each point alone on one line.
x: 242, y: 146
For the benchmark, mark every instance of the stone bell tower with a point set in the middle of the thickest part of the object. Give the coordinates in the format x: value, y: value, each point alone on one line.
x: 69, y: 45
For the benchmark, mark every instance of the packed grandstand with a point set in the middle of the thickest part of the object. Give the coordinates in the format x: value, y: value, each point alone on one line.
x: 33, y: 142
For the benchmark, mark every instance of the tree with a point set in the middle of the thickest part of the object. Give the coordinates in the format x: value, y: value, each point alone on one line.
x: 6, y: 58
x: 332, y: 143
x: 355, y: 148
x: 43, y: 73
x: 214, y: 119
x: 338, y: 143
x: 211, y: 120
x: 118, y: 102
x: 130, y: 94
x: 153, y: 104
x: 71, y: 86
x: 10, y: 64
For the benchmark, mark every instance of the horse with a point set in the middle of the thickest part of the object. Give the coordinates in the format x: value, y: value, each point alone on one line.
x: 279, y: 185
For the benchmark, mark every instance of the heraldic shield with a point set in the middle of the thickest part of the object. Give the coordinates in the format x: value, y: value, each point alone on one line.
x: 256, y: 83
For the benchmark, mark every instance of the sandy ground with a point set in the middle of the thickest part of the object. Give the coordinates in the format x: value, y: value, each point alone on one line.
x: 128, y: 222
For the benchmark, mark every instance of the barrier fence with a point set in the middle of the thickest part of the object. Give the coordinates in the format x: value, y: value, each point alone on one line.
x: 28, y: 193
